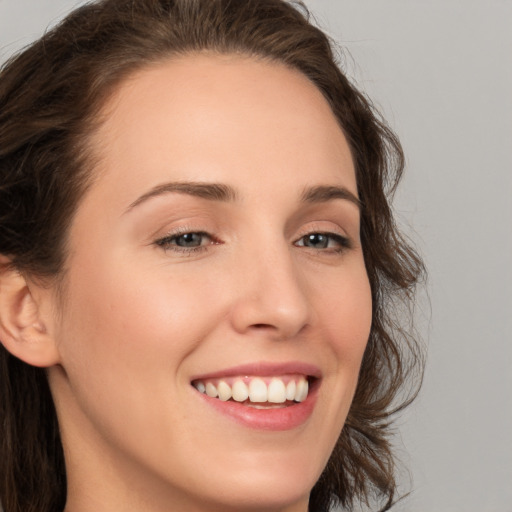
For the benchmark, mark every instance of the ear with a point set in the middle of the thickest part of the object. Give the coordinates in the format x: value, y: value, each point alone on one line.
x: 23, y: 330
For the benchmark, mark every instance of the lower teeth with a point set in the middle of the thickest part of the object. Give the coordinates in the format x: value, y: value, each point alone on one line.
x: 267, y: 406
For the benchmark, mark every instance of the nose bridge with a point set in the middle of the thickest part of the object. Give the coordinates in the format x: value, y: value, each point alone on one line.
x: 270, y: 290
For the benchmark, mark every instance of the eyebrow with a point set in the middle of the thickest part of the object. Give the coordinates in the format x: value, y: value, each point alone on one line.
x: 211, y: 191
x: 324, y: 193
x: 226, y: 193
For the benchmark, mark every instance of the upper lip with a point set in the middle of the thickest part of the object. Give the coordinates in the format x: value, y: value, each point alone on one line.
x: 264, y: 369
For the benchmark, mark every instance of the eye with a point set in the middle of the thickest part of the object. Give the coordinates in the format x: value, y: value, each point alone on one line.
x: 324, y: 241
x: 189, y: 241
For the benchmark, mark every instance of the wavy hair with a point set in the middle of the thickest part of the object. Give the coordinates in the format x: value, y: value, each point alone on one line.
x: 50, y: 97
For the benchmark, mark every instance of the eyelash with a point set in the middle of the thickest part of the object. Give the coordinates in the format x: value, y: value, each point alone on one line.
x: 168, y: 243
x: 343, y: 243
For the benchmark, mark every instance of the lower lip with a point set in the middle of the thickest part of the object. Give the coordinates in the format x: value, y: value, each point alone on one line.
x: 278, y: 419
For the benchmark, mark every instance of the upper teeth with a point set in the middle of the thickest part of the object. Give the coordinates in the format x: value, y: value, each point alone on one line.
x: 256, y: 390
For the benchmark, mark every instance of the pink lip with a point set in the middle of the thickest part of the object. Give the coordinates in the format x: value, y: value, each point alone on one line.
x: 278, y: 419
x: 263, y: 369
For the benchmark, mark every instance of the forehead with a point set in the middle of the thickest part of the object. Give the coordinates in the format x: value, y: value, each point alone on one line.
x: 231, y: 115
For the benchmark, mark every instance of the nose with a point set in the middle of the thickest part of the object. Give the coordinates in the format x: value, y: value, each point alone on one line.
x: 270, y: 295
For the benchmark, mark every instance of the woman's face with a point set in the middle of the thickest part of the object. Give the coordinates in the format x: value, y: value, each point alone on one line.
x: 217, y: 252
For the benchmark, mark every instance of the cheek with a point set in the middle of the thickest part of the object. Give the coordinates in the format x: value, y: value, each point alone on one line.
x: 345, y: 310
x: 122, y: 313
x: 124, y: 338
x: 345, y: 316
x: 126, y: 325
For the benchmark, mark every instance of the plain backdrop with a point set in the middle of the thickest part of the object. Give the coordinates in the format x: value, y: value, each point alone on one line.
x: 441, y: 72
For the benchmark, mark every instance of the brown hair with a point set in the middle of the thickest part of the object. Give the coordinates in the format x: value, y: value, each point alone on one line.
x: 50, y: 97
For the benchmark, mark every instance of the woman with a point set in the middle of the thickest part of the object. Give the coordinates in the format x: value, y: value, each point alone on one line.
x: 198, y: 266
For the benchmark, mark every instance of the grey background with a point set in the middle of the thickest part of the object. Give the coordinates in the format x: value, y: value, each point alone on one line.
x: 441, y: 72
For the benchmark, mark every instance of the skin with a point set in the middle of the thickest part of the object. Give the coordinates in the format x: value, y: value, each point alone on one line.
x: 139, y: 320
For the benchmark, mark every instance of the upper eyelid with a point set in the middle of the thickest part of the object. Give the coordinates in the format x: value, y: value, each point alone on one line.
x: 320, y: 227
x: 315, y: 226
x: 178, y: 231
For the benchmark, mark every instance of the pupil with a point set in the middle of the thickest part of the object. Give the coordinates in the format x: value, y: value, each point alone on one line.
x: 189, y: 240
x: 317, y: 240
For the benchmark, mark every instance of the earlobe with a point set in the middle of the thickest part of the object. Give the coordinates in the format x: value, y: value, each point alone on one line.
x: 23, y: 330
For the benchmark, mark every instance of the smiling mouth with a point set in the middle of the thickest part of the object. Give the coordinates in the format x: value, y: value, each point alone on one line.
x: 258, y: 392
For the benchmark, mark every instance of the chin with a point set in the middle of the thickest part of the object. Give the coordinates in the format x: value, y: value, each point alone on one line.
x: 276, y: 487
x: 270, y: 498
